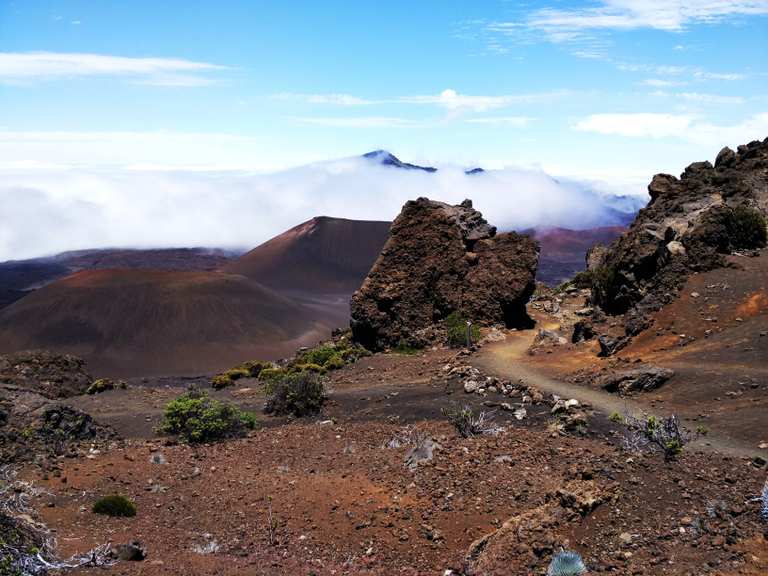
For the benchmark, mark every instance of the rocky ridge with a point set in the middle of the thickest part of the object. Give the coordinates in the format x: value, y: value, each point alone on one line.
x: 689, y: 224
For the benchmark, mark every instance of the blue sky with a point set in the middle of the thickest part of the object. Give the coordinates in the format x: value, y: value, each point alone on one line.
x: 611, y: 91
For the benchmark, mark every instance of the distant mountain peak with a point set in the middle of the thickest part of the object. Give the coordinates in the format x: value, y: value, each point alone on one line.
x: 386, y: 158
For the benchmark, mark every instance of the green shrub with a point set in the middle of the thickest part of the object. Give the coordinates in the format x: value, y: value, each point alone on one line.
x: 104, y: 384
x: 115, y: 506
x: 272, y: 374
x: 334, y: 362
x: 403, y: 347
x: 221, y: 381
x: 746, y: 228
x: 197, y: 418
x: 299, y: 394
x: 318, y: 355
x: 617, y: 418
x: 250, y: 369
x: 308, y: 367
x: 456, y: 325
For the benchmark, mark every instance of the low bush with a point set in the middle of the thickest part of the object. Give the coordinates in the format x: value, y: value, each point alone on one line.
x: 403, y: 347
x: 195, y: 417
x: 746, y: 228
x: 250, y: 369
x: 299, y: 394
x: 104, y: 384
x: 566, y: 563
x: 664, y: 434
x: 616, y: 418
x: 115, y: 506
x: 456, y: 325
x: 469, y: 424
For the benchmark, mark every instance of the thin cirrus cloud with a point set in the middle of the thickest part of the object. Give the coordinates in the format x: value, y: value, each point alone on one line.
x: 448, y: 99
x: 560, y: 25
x: 357, y: 121
x: 25, y: 67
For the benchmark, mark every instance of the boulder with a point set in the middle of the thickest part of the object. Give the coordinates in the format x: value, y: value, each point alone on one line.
x: 441, y: 259
x: 638, y: 379
x: 582, y: 330
x: 609, y: 345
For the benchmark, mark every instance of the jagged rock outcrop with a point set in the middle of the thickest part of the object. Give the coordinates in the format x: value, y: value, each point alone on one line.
x: 688, y: 225
x: 46, y: 373
x: 441, y: 259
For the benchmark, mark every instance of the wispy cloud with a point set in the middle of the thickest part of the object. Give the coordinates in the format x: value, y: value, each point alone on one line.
x: 357, y: 121
x: 519, y: 121
x: 660, y: 83
x: 710, y: 98
x: 561, y: 25
x: 452, y: 100
x: 684, y: 127
x: 635, y: 124
x: 24, y: 67
x: 448, y: 98
x: 334, y: 99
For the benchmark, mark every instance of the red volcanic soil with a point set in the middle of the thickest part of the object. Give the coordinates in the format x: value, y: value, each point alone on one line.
x: 563, y: 251
x: 322, y: 255
x: 156, y: 258
x: 140, y: 322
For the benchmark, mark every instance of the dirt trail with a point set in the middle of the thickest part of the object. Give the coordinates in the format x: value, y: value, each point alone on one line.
x: 507, y: 359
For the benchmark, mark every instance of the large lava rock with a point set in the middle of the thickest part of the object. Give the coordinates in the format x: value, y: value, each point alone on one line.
x: 441, y: 259
x: 688, y: 225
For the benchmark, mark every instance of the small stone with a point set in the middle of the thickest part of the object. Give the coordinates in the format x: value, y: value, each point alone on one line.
x: 625, y: 538
x: 131, y: 552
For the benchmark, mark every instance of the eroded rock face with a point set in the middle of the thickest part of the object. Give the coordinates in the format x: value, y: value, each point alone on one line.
x: 687, y: 226
x: 48, y: 374
x: 440, y: 259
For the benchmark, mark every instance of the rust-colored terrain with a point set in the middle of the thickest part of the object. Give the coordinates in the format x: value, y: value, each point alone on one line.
x: 131, y: 322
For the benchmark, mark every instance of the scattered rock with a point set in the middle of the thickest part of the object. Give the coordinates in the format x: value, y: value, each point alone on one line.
x: 637, y: 379
x: 131, y: 552
x: 609, y: 345
x: 423, y: 452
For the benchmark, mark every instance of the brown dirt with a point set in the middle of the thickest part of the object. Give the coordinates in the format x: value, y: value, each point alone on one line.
x: 342, y: 503
x: 143, y: 322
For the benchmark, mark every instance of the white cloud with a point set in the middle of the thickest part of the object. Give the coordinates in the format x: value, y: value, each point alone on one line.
x: 659, y: 83
x: 448, y: 99
x: 453, y: 101
x: 335, y: 99
x: 81, y: 208
x: 679, y: 126
x: 729, y: 76
x: 635, y: 124
x: 710, y: 98
x: 561, y: 25
x: 32, y: 66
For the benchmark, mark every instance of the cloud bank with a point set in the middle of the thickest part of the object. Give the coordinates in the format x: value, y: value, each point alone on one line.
x: 47, y: 212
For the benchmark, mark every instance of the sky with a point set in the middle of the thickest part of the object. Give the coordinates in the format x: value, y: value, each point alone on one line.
x: 151, y: 105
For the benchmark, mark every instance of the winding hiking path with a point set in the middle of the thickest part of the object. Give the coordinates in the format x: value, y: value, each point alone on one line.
x: 507, y: 359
